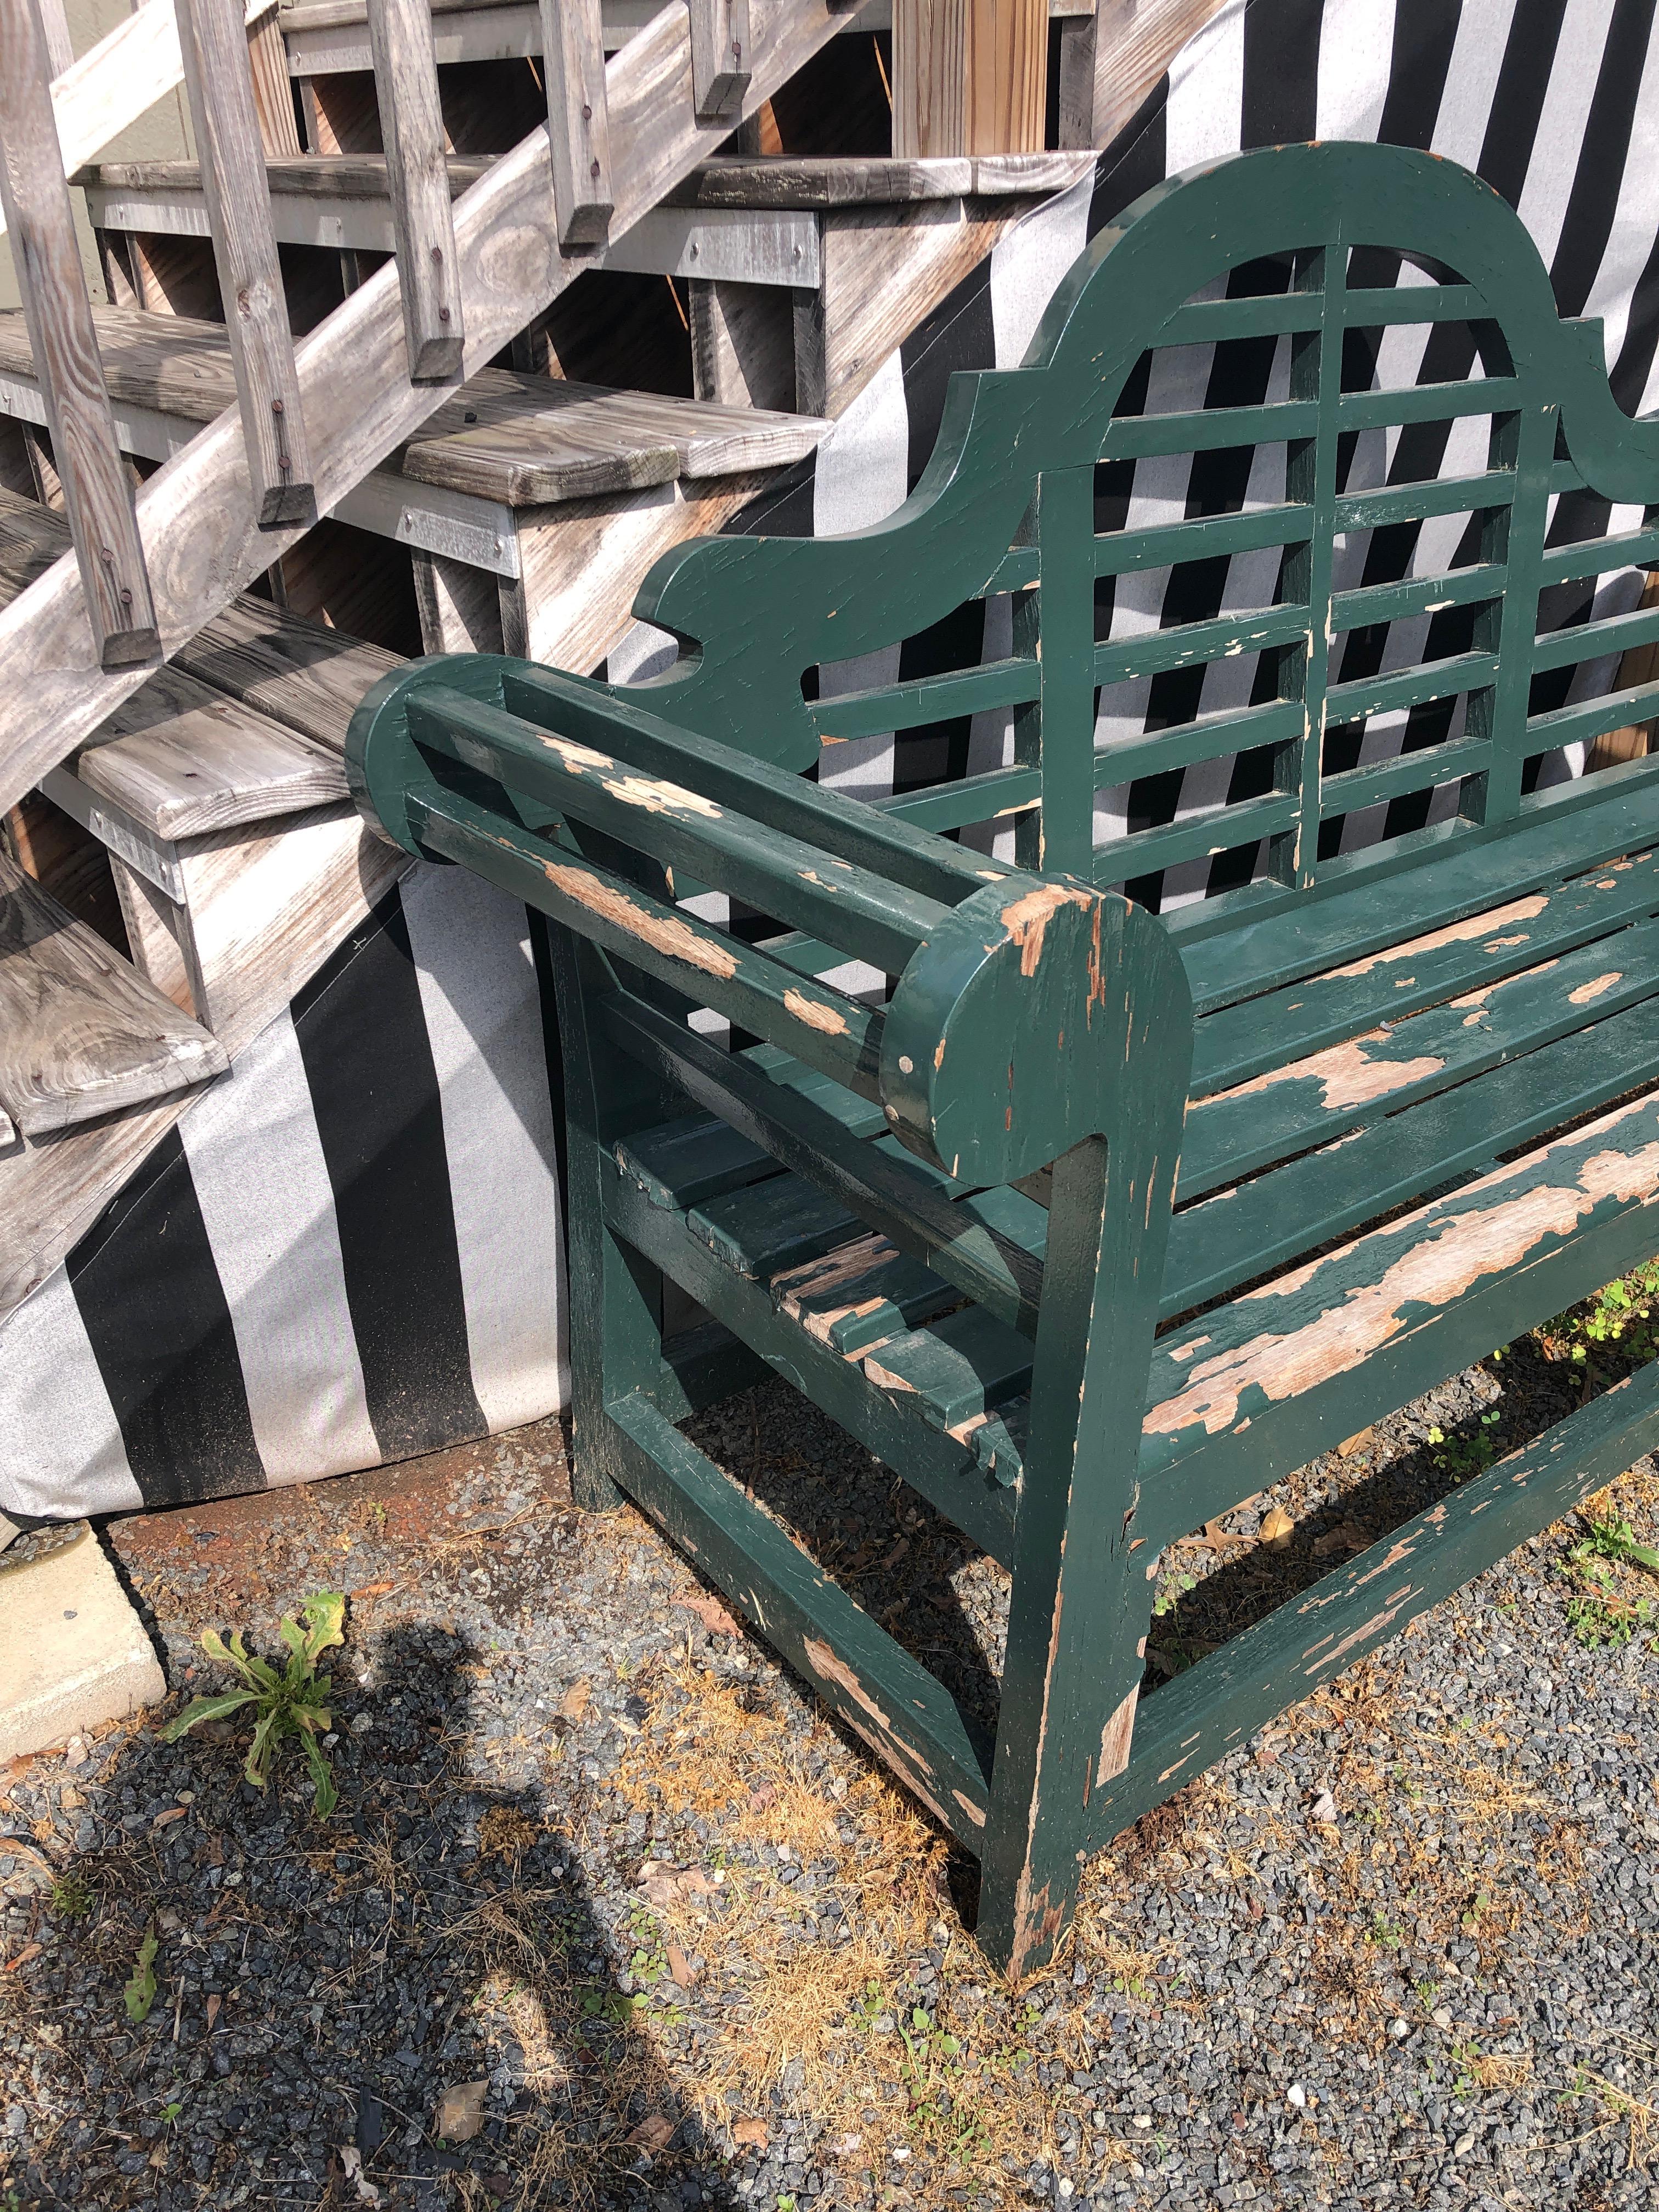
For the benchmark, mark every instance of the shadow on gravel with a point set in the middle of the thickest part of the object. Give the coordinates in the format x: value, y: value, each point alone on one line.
x: 318, y: 1985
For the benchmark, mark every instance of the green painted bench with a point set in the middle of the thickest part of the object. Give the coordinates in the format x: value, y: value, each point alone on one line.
x: 1093, y: 1223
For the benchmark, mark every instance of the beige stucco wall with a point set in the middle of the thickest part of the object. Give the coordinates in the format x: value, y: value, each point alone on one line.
x: 162, y: 134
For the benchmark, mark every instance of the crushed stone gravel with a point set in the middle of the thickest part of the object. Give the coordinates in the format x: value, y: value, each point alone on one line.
x: 609, y: 1860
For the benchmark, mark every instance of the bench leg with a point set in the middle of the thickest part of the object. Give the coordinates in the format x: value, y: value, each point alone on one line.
x: 615, y: 1295
x: 1080, y: 1606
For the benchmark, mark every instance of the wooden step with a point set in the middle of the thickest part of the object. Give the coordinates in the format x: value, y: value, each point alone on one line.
x: 342, y: 201
x: 780, y: 180
x: 511, y: 440
x: 81, y: 1033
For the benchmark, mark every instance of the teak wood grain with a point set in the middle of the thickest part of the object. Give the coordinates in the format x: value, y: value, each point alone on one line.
x: 81, y: 1033
x: 970, y: 77
x: 114, y: 583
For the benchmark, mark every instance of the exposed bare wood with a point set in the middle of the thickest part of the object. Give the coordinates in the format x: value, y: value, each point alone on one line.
x: 273, y: 87
x: 884, y: 269
x: 119, y: 79
x: 198, y: 519
x: 535, y: 441
x: 1135, y: 41
x: 1639, y: 666
x: 578, y: 120
x: 299, y: 674
x: 412, y: 125
x: 970, y: 77
x: 115, y: 588
x: 182, y: 760
x: 245, y: 253
x: 176, y: 277
x: 461, y: 607
x: 743, y: 343
x: 583, y: 563
x: 82, y: 1034
x: 719, y: 50
x: 54, y: 28
x: 1075, y: 89
x: 69, y: 862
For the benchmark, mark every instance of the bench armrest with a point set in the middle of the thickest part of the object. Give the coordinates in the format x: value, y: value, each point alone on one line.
x: 1018, y: 998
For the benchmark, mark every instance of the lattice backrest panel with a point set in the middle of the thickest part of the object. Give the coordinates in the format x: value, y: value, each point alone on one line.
x: 1266, y: 516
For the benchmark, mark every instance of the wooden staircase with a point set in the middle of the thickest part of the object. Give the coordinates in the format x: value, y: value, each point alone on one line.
x: 218, y: 529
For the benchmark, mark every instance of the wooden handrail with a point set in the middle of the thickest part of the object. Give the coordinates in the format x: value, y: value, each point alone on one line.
x: 199, y: 516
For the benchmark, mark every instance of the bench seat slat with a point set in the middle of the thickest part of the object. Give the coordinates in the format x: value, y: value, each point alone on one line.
x: 1319, y: 934
x: 1270, y: 1222
x: 1308, y: 1102
x: 1249, y: 1036
x: 1315, y: 1353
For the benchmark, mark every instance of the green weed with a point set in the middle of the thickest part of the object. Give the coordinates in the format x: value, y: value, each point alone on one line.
x: 139, y: 1993
x: 288, y: 1704
x: 71, y: 1897
x: 1462, y: 1457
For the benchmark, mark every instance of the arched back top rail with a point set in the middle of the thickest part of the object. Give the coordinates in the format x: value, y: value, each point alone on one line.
x: 1006, y: 504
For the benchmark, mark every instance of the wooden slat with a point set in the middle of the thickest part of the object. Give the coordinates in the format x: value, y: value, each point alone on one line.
x: 200, y: 527
x: 245, y: 254
x: 720, y: 55
x: 1272, y: 1221
x: 970, y: 77
x: 294, y: 671
x: 115, y: 586
x: 834, y: 180
x: 82, y: 1034
x: 412, y: 131
x: 578, y: 120
x: 533, y: 440
x: 1304, y: 1103
x: 183, y: 760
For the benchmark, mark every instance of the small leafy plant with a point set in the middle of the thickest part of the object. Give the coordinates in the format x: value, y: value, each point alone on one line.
x: 139, y: 1991
x: 1463, y: 1457
x: 288, y: 1704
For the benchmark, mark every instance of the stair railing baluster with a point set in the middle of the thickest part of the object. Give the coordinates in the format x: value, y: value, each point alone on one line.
x: 220, y: 82
x: 417, y: 178
x: 578, y: 120
x: 720, y: 57
x: 97, y: 489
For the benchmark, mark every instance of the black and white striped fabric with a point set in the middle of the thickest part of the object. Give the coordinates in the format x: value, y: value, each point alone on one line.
x: 350, y: 1251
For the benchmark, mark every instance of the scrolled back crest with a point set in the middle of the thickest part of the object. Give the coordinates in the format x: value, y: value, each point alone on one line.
x: 751, y: 613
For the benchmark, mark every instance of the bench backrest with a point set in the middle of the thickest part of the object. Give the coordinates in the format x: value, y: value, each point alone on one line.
x: 1068, y: 475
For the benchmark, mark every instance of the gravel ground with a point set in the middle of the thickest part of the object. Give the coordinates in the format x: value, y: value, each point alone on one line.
x: 596, y: 1852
